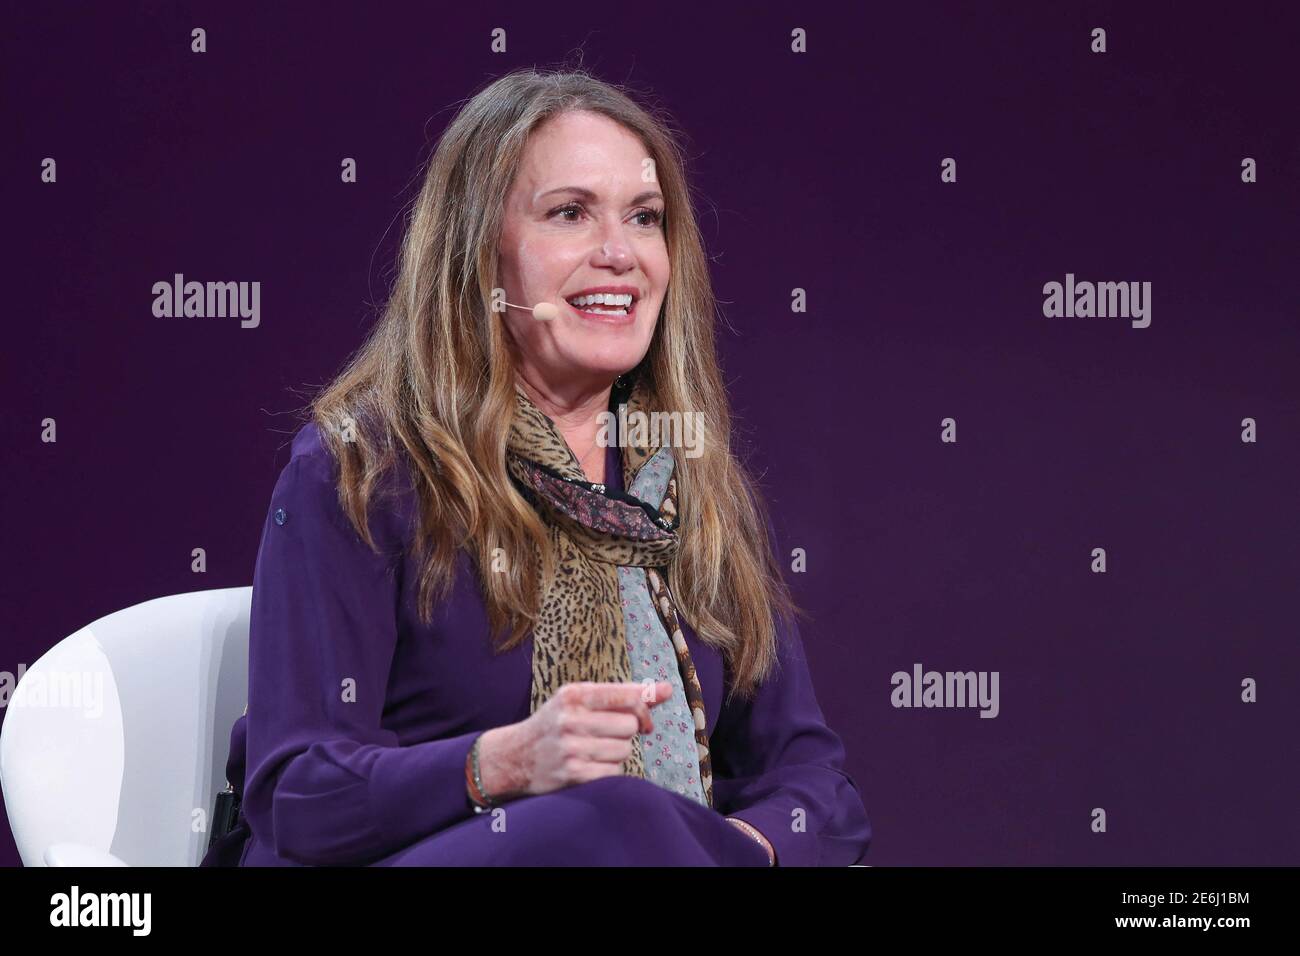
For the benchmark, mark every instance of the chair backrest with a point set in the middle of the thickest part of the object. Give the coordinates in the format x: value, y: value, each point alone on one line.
x: 117, y: 737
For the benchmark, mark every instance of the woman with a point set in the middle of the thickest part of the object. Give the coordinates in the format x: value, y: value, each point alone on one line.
x: 489, y: 624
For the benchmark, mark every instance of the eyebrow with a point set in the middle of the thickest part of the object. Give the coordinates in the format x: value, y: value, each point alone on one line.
x: 588, y: 195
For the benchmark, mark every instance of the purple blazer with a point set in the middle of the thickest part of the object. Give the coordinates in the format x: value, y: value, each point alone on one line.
x: 360, y: 718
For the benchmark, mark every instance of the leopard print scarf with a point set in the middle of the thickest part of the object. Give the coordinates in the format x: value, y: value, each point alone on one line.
x: 597, y: 537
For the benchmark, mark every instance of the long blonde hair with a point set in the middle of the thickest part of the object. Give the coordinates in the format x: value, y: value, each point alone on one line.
x: 435, y: 380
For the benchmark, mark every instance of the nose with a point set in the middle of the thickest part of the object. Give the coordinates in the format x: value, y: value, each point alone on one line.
x: 615, y: 251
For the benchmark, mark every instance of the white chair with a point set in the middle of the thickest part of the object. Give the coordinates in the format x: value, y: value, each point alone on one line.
x: 114, y: 743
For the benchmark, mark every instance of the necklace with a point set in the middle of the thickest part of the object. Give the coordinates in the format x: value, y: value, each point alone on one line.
x: 581, y: 459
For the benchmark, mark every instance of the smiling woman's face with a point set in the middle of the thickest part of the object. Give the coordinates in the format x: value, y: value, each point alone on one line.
x: 580, y: 217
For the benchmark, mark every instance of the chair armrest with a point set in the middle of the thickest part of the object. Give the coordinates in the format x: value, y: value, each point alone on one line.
x: 78, y: 854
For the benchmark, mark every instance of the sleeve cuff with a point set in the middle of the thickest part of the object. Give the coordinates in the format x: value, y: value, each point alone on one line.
x: 793, y: 848
x: 420, y: 789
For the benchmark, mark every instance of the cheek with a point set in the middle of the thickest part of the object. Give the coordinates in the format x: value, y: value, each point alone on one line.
x: 532, y: 337
x: 541, y: 270
x: 657, y: 264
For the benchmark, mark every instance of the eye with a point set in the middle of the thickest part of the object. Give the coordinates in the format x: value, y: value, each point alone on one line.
x: 571, y: 207
x: 656, y: 216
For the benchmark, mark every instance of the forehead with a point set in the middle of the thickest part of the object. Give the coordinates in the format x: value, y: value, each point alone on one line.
x: 580, y: 148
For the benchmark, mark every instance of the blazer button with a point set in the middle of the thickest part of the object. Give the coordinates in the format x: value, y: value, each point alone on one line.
x: 280, y: 516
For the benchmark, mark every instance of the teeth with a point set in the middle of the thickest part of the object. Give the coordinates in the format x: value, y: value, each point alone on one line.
x: 602, y: 298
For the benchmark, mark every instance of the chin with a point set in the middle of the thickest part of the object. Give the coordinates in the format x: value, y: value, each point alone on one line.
x: 603, y: 371
x: 607, y: 364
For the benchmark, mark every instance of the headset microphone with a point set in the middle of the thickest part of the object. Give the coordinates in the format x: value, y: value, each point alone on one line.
x: 543, y: 311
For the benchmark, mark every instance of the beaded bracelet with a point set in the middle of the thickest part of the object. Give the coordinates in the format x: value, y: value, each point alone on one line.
x: 771, y: 860
x: 474, y: 780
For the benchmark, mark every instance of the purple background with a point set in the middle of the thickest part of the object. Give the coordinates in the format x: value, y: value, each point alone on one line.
x: 818, y: 171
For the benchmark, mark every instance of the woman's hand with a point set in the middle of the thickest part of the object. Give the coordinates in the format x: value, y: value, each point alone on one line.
x: 585, y: 731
